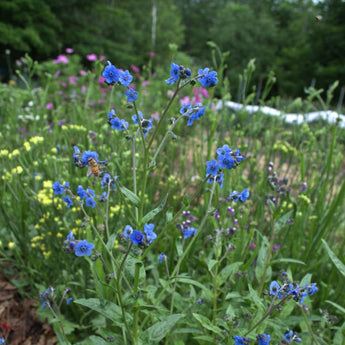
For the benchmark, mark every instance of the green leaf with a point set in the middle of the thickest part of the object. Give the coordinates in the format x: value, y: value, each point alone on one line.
x: 111, y: 241
x: 106, y: 308
x: 161, y: 328
x: 211, y: 264
x: 253, y: 296
x: 226, y: 273
x: 338, y: 264
x: 287, y: 260
x: 340, y: 308
x: 132, y: 197
x: 98, y: 340
x: 155, y: 211
x: 206, y: 323
x: 282, y: 221
x: 195, y: 283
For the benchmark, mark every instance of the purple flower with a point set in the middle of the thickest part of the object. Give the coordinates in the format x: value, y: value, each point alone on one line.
x: 83, y: 248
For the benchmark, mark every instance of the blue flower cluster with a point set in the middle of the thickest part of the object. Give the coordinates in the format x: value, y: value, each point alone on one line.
x: 228, y: 159
x: 178, y: 72
x: 145, y: 124
x: 205, y: 77
x: 115, y: 122
x: 139, y: 238
x: 192, y: 112
x: 185, y: 227
x: 292, y: 290
x: 47, y: 297
x: 112, y: 75
x: 79, y: 247
x: 239, y: 196
x: 264, y: 339
x: 2, y: 341
x: 81, y: 160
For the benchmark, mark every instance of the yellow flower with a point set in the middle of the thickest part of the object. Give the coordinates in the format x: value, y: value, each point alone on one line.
x: 3, y: 153
x: 47, y: 184
x: 0, y: 243
x: 46, y: 254
x: 15, y: 153
x: 11, y: 245
x: 27, y: 146
x: 116, y: 244
x: 36, y: 140
x: 59, y: 235
x: 54, y: 150
x: 38, y: 177
x: 11, y: 82
x: 19, y: 169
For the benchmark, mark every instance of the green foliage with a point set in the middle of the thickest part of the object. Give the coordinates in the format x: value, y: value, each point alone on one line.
x: 209, y: 287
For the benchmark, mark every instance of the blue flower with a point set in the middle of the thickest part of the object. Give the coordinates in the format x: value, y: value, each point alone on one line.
x: 2, y: 341
x: 90, y: 202
x: 162, y: 257
x: 137, y: 237
x: 87, y: 155
x: 125, y: 78
x: 67, y: 200
x: 81, y: 192
x: 208, y: 78
x: 111, y: 114
x: 150, y: 235
x: 103, y: 197
x: 212, y: 167
x: 76, y: 154
x: 128, y: 232
x: 118, y: 124
x: 111, y: 74
x: 241, y: 340
x: 263, y: 339
x: 131, y: 95
x: 70, y: 236
x: 83, y: 248
x: 174, y: 74
x: 58, y: 188
x: 291, y: 336
x: 275, y: 289
x: 135, y: 117
x: 189, y: 232
x: 224, y: 149
x: 226, y: 161
x: 90, y: 193
x: 107, y: 180
x: 197, y: 112
x: 69, y: 300
x: 244, y: 195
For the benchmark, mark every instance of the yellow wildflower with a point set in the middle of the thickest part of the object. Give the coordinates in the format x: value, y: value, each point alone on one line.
x: 36, y: 140
x: 27, y: 146
x: 11, y: 245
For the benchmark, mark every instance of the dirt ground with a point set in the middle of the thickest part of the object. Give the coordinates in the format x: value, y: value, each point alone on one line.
x: 19, y: 324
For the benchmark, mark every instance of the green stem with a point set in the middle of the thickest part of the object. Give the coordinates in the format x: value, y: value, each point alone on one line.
x: 309, y: 327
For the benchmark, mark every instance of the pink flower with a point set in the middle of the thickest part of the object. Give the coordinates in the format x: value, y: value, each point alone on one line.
x: 73, y: 80
x: 138, y: 76
x: 49, y: 105
x: 82, y: 72
x: 204, y: 92
x: 57, y: 73
x: 61, y: 59
x: 102, y: 57
x: 91, y: 57
x: 185, y: 100
x: 152, y: 54
x: 145, y: 83
x: 275, y: 247
x: 64, y: 84
x: 69, y: 50
x: 83, y: 89
x: 252, y: 245
x: 135, y: 68
x: 101, y: 80
x: 155, y: 115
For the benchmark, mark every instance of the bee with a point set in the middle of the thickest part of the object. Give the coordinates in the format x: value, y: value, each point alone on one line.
x: 93, y: 168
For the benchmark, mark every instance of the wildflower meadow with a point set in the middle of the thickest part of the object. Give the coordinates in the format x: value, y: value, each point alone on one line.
x: 136, y: 210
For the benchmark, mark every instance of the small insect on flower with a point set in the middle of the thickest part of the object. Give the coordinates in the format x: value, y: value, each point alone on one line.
x: 93, y: 168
